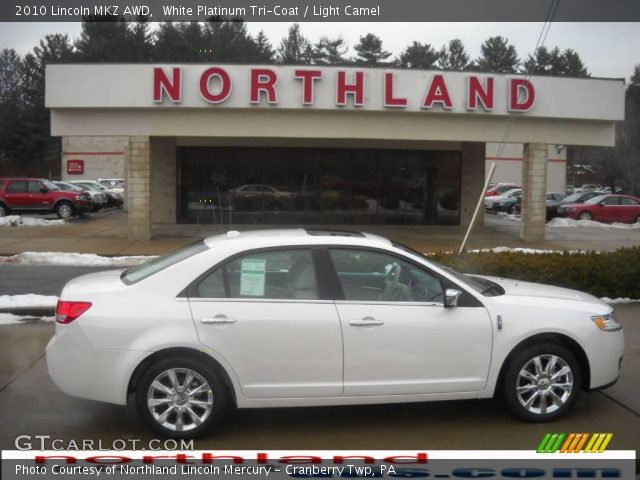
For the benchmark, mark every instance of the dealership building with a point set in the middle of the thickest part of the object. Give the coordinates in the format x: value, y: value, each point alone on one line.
x: 309, y: 145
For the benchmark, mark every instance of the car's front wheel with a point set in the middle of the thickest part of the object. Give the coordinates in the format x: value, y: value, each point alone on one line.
x: 542, y: 382
x: 585, y: 216
x: 180, y: 398
x: 4, y: 211
x: 65, y: 210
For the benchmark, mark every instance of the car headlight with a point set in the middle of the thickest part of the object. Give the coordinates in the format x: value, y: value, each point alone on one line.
x: 606, y: 322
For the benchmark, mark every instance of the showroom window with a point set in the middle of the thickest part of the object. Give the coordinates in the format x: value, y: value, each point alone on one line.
x: 284, y: 186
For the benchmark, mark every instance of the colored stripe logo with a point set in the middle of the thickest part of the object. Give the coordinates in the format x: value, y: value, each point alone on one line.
x: 574, y: 442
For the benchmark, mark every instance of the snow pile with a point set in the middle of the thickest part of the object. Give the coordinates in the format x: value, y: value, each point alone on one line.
x: 74, y: 259
x: 30, y: 300
x: 20, y: 221
x: 510, y: 216
x: 11, y: 319
x: 570, y: 222
x: 620, y: 300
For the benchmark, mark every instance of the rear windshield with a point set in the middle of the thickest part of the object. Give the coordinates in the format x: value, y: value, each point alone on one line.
x: 135, y: 274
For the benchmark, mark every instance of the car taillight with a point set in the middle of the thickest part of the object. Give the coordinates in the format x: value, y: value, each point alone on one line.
x: 67, y: 312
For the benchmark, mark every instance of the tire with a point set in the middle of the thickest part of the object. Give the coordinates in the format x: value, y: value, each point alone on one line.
x: 542, y: 402
x: 585, y: 216
x: 513, y: 210
x: 637, y: 218
x: 65, y: 210
x: 212, y: 398
x: 4, y: 211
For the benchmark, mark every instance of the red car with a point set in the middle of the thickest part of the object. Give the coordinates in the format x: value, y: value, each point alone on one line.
x: 604, y: 208
x: 500, y: 189
x: 36, y: 195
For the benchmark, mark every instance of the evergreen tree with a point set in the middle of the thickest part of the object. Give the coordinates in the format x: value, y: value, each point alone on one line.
x: 294, y: 48
x: 264, y: 51
x: 497, y: 56
x: 330, y: 52
x: 572, y: 65
x: 454, y: 56
x: 142, y: 39
x: 419, y: 55
x: 229, y: 41
x: 105, y: 39
x: 370, y: 50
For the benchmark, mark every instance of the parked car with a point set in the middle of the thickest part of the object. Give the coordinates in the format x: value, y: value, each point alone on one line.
x: 310, y: 317
x: 38, y: 195
x: 114, y: 195
x: 261, y: 197
x: 503, y: 203
x: 588, y: 187
x: 112, y: 182
x: 604, y: 208
x: 499, y: 189
x: 578, y: 197
x: 608, y: 190
x: 98, y: 199
x: 552, y: 201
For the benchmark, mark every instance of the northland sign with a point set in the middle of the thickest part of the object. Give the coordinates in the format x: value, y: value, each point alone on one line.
x: 311, y: 88
x: 215, y: 86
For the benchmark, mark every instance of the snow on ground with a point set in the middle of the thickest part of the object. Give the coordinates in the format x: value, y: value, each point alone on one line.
x: 74, y: 259
x: 620, y: 300
x: 570, y: 222
x: 11, y: 319
x: 30, y: 300
x: 20, y: 221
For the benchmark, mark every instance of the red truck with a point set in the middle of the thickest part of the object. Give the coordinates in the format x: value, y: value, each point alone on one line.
x: 38, y: 195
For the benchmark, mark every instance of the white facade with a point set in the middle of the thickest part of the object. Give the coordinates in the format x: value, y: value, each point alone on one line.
x: 509, y: 157
x: 160, y: 109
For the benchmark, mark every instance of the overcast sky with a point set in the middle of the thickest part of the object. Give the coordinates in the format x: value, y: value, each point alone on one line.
x: 607, y: 49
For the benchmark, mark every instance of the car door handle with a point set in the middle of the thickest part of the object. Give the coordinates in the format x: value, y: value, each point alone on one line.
x: 218, y: 319
x: 366, y: 321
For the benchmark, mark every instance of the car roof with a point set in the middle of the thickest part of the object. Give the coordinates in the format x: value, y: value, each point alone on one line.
x: 297, y: 236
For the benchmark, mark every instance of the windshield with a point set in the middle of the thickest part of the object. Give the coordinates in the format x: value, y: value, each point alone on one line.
x: 574, y: 197
x: 68, y: 186
x: 480, y: 285
x: 89, y: 186
x: 135, y: 274
x: 594, y: 200
x: 50, y: 185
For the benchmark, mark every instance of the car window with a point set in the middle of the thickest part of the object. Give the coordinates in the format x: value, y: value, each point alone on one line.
x: 611, y: 201
x: 213, y: 285
x: 373, y: 276
x: 35, y: 186
x: 135, y: 274
x: 17, y: 186
x: 628, y: 201
x: 280, y: 274
x: 1, y: 184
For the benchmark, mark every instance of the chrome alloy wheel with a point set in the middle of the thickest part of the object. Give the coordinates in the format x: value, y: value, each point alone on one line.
x: 180, y: 399
x: 544, y: 384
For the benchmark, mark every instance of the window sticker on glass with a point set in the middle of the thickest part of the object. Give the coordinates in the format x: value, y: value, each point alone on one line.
x: 252, y: 277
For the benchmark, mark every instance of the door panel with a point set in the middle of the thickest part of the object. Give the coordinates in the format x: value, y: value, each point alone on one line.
x: 17, y: 194
x: 417, y: 349
x: 278, y: 350
x: 281, y: 340
x: 398, y: 337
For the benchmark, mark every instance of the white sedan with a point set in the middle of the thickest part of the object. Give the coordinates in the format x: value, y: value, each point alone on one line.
x: 310, y: 317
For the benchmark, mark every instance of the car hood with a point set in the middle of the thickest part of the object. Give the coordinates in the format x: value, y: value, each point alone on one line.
x: 517, y: 288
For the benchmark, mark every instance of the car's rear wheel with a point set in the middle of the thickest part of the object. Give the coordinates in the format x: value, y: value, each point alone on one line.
x: 65, y: 210
x: 513, y: 209
x: 180, y: 398
x: 4, y: 211
x: 585, y: 216
x: 542, y: 382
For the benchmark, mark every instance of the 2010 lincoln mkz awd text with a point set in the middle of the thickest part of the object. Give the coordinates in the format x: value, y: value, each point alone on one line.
x: 281, y: 318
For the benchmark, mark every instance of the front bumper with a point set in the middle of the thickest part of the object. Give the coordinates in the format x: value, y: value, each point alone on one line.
x: 605, y: 358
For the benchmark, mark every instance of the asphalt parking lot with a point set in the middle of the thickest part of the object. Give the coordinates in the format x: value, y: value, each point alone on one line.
x: 31, y: 405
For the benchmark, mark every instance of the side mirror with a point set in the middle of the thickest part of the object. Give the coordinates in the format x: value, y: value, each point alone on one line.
x: 451, y: 297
